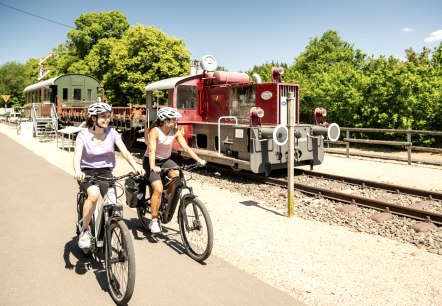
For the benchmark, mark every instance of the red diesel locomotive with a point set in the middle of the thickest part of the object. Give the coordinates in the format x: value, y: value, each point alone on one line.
x: 229, y: 120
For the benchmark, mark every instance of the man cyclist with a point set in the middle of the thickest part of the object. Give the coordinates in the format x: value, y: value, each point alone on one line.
x: 95, y: 154
x: 159, y: 143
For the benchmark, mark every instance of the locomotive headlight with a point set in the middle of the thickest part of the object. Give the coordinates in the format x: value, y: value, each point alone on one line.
x: 256, y: 113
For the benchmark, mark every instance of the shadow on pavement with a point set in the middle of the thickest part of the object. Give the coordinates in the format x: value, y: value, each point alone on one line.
x: 84, y: 264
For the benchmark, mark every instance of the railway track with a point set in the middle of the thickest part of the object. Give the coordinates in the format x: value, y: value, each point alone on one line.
x: 387, y: 199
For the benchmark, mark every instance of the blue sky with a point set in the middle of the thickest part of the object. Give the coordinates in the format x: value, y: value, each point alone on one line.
x: 241, y: 33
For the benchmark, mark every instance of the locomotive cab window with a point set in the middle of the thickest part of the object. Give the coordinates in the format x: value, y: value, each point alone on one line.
x: 242, y: 100
x: 187, y: 97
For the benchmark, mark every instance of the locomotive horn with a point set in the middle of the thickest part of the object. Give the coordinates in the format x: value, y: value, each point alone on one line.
x: 332, y: 131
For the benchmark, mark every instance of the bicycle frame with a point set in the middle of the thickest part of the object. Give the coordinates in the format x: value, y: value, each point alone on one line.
x: 169, y: 201
x: 105, y: 212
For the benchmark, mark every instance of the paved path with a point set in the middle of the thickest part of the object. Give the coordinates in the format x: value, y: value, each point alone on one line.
x: 40, y: 263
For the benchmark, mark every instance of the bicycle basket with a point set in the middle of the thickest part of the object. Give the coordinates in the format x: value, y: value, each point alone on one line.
x: 135, y: 189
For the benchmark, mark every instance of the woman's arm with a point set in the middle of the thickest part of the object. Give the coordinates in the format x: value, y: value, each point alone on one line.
x: 187, y: 149
x: 78, y: 174
x: 152, y: 140
x: 130, y: 159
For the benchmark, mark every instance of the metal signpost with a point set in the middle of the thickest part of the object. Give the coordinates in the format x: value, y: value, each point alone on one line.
x: 291, y: 155
x: 5, y: 98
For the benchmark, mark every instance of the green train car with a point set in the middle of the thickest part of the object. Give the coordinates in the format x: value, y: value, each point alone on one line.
x: 65, y: 90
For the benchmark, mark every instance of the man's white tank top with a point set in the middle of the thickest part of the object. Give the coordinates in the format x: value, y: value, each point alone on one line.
x: 164, y: 144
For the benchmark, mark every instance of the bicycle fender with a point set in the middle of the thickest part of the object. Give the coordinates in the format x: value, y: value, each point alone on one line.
x: 188, y: 196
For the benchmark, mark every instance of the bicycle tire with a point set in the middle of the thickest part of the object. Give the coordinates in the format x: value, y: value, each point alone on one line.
x: 197, y: 237
x: 80, y: 203
x: 120, y: 262
x: 143, y: 214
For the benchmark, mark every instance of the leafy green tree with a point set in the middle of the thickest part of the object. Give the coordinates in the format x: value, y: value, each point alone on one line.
x: 92, y: 27
x: 12, y: 82
x: 329, y: 73
x: 143, y: 55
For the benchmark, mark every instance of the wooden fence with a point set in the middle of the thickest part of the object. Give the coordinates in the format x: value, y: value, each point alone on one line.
x: 408, y: 144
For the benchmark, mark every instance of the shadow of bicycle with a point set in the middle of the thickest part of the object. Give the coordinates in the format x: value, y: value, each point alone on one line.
x: 84, y: 264
x: 168, y: 236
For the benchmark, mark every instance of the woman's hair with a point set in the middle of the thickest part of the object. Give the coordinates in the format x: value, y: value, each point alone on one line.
x: 89, y: 122
x: 157, y: 122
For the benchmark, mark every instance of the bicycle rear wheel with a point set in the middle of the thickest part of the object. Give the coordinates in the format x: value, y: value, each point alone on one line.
x: 144, y: 217
x: 196, y: 229
x: 120, y: 262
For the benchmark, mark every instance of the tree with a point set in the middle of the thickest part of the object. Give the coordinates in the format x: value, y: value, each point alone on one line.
x: 143, y: 55
x: 12, y: 82
x: 92, y: 27
x: 329, y: 73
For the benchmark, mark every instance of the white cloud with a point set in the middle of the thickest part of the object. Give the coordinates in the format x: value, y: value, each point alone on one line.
x: 407, y: 30
x: 434, y: 36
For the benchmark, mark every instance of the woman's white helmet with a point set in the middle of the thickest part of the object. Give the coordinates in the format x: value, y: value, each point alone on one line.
x: 168, y: 113
x: 98, y: 108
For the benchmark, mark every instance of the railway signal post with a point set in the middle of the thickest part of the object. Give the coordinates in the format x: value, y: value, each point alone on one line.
x: 291, y: 155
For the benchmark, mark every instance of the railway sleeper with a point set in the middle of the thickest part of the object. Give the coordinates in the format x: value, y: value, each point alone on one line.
x: 422, y: 227
x: 381, y: 217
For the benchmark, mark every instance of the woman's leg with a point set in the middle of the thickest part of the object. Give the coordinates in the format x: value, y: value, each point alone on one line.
x: 93, y: 193
x: 155, y: 200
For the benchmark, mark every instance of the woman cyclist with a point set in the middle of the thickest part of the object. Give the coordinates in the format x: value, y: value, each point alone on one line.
x: 95, y: 154
x: 159, y: 149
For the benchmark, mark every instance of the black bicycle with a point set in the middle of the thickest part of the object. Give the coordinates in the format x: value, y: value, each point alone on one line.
x: 111, y: 237
x: 193, y: 218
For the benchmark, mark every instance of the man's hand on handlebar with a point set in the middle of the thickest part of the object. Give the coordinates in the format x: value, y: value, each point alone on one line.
x: 201, y: 162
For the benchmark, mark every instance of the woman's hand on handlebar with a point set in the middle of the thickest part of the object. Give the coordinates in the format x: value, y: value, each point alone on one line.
x: 201, y: 162
x: 156, y: 169
x: 79, y: 176
x: 140, y: 172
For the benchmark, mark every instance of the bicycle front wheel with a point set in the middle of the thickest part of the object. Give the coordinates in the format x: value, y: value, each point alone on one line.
x: 196, y: 229
x: 120, y: 262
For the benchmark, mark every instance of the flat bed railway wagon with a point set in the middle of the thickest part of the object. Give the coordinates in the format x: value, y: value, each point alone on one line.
x: 64, y: 101
x: 229, y: 120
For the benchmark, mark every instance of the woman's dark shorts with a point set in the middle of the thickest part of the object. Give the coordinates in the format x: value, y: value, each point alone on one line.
x: 162, y: 163
x: 103, y: 172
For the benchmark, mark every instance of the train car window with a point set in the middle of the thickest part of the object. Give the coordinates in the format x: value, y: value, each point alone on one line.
x: 77, y: 94
x: 187, y: 97
x: 242, y: 99
x: 89, y: 95
x: 65, y: 94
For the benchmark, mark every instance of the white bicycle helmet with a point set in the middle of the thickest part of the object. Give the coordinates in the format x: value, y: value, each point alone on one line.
x: 98, y: 108
x: 168, y: 113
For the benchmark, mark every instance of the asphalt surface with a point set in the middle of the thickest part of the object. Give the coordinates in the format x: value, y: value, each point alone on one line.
x: 40, y: 263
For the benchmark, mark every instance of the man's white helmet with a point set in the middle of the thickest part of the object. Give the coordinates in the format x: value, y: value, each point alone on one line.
x: 168, y: 113
x: 98, y: 108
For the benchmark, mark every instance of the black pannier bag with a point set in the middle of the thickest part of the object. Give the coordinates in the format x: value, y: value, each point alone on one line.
x: 135, y: 189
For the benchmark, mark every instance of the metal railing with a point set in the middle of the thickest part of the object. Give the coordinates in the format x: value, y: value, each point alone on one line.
x: 408, y: 144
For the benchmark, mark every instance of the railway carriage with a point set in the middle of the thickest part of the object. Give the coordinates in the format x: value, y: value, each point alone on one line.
x: 230, y: 120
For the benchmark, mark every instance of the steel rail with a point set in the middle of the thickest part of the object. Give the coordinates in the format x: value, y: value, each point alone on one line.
x: 405, y: 211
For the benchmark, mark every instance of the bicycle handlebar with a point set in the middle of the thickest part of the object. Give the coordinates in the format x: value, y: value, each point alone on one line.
x: 183, y: 167
x: 109, y: 179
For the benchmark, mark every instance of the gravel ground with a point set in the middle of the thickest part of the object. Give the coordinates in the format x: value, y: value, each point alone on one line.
x: 318, y: 257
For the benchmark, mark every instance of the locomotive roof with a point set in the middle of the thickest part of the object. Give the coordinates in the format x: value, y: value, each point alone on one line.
x: 166, y: 84
x: 52, y: 81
